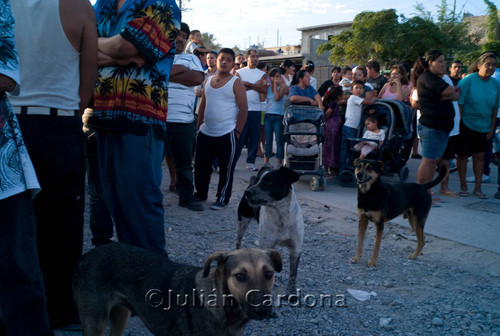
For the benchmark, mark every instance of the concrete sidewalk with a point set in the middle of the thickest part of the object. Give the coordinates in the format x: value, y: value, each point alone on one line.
x: 467, y: 220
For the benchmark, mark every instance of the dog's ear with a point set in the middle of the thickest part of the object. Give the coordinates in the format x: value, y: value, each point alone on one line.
x: 220, y: 257
x: 276, y: 258
x: 291, y: 175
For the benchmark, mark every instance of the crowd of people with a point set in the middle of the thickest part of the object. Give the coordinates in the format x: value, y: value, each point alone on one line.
x: 122, y: 78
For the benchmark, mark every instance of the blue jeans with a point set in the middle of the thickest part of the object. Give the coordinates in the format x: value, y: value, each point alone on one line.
x: 250, y: 136
x: 433, y: 141
x: 347, y: 132
x: 100, y: 222
x: 273, y: 124
x: 130, y: 172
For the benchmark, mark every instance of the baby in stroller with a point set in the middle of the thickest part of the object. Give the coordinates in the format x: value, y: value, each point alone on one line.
x: 374, y: 133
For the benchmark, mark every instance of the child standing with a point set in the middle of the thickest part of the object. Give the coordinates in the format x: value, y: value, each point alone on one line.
x: 353, y: 116
x: 331, y: 146
x: 221, y: 118
x: 373, y: 132
x: 273, y: 120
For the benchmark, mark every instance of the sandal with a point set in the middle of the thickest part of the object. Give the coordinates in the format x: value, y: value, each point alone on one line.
x: 449, y: 193
x: 480, y: 195
x: 462, y: 193
x: 437, y: 200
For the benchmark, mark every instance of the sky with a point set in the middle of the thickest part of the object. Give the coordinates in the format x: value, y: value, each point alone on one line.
x: 275, y: 22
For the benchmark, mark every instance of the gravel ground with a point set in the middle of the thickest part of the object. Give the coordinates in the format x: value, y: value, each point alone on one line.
x: 452, y: 289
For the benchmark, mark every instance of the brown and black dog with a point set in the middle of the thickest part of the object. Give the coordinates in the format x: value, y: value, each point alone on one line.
x: 380, y: 202
x: 115, y: 280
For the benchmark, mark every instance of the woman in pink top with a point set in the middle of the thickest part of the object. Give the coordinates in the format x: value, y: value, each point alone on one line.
x: 398, y: 86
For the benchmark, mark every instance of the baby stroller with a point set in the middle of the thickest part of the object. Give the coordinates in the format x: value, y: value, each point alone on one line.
x: 304, y: 136
x: 395, y: 118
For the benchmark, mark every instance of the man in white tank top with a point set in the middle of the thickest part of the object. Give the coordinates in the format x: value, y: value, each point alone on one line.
x: 57, y: 45
x: 221, y: 117
x: 253, y: 79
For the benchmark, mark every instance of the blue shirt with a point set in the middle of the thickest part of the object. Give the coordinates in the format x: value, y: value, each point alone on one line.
x: 16, y: 170
x: 309, y: 91
x: 275, y: 106
x: 479, y: 98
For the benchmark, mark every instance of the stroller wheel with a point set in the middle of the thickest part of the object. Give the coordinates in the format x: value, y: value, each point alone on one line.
x: 346, y: 178
x: 318, y: 183
x: 403, y: 174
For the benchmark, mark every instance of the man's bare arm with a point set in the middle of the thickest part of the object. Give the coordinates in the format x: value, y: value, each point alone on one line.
x: 241, y: 101
x: 117, y: 47
x: 7, y: 84
x: 257, y: 86
x: 105, y: 60
x: 182, y: 75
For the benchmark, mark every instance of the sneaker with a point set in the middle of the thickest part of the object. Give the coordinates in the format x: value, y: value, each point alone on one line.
x: 218, y: 205
x: 252, y: 166
x: 484, y: 179
x: 267, y: 165
x: 192, y: 204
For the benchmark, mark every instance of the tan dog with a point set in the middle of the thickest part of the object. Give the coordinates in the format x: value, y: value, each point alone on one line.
x: 380, y: 202
x: 171, y: 298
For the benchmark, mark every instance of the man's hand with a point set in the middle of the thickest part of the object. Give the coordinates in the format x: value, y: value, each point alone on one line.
x: 7, y: 84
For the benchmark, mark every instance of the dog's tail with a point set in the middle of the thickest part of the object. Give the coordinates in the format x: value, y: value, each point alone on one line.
x: 443, y: 172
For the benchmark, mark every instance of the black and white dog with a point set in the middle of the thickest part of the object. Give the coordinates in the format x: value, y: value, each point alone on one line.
x: 270, y: 199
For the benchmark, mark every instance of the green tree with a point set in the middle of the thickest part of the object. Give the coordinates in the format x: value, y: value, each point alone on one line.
x: 392, y: 39
x: 492, y: 22
x: 371, y: 36
x: 209, y: 41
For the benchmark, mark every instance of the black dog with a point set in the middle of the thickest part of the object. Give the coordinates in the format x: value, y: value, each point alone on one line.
x: 380, y: 202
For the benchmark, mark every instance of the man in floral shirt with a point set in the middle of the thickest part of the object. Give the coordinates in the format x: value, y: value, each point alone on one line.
x: 136, y: 49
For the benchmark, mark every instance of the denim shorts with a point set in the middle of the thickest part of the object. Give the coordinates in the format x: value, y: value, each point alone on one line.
x: 433, y: 141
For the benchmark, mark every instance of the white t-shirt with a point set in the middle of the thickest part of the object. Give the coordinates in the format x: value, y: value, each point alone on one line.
x: 252, y: 76
x: 353, y: 111
x: 191, y: 47
x: 374, y: 136
x: 181, y: 98
x: 221, y: 110
x: 343, y: 82
x: 314, y: 83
